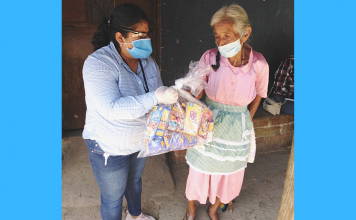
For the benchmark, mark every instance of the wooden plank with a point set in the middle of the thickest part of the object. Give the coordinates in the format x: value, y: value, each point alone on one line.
x: 74, y: 10
x: 76, y: 47
x: 286, y: 211
x: 79, y: 22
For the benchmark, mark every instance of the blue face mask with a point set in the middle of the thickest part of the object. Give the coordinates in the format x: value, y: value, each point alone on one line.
x: 231, y: 49
x: 142, y: 48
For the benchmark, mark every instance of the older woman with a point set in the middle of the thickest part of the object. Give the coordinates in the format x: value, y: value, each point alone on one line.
x: 239, y: 80
x: 122, y: 84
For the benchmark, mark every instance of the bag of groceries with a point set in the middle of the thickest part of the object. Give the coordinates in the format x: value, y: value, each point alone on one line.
x: 184, y: 124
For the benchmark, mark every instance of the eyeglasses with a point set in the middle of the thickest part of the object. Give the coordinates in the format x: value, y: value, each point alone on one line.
x: 136, y: 33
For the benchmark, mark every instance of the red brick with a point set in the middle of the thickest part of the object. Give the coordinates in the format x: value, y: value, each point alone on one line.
x: 261, y: 122
x: 282, y: 119
x: 287, y: 128
x: 265, y: 132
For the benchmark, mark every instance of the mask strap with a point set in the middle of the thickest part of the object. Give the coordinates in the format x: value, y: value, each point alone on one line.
x: 126, y: 43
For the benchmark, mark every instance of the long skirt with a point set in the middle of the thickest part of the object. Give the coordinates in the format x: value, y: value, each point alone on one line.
x: 225, y: 187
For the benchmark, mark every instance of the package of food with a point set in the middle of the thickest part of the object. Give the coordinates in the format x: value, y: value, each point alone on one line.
x: 209, y: 137
x: 192, y: 118
x: 176, y: 118
x: 179, y: 141
x: 176, y: 126
x: 205, y: 122
x: 155, y: 129
x: 158, y: 121
x: 155, y: 145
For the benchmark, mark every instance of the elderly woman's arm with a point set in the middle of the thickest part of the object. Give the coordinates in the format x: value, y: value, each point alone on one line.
x: 261, y: 87
x: 254, y: 105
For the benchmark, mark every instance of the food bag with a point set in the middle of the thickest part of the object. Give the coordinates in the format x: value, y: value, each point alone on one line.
x: 156, y: 128
x: 181, y: 125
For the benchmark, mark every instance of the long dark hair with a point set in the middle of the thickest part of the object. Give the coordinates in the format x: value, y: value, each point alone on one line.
x: 126, y: 15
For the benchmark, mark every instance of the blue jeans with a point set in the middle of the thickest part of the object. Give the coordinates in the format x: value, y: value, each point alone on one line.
x: 120, y: 176
x: 287, y: 107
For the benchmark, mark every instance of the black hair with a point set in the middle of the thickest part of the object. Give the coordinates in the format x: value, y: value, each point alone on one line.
x: 126, y: 15
x: 217, y: 65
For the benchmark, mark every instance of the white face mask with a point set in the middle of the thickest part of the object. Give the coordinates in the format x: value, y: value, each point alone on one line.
x: 231, y: 49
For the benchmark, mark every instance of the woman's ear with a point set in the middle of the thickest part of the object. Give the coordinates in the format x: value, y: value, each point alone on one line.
x: 119, y: 38
x: 246, y: 34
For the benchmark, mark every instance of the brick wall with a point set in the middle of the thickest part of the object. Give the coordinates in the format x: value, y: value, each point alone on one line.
x: 273, y: 133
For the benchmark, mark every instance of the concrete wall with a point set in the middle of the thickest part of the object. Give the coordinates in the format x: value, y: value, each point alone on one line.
x: 186, y: 32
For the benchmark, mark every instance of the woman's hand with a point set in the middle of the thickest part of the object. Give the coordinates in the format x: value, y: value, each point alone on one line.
x: 166, y: 95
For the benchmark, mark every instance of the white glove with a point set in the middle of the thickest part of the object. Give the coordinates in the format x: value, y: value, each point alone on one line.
x: 166, y: 95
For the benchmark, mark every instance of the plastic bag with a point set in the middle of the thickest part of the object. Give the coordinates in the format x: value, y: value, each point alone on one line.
x: 181, y: 125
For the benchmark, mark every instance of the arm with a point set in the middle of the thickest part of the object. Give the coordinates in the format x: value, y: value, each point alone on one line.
x: 261, y: 88
x: 254, y: 105
x: 204, y: 60
x: 102, y: 94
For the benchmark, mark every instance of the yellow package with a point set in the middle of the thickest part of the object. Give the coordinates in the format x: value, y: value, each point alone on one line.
x: 211, y: 125
x: 192, y: 118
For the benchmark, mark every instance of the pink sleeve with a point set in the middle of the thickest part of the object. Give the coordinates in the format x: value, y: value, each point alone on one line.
x: 262, y: 81
x: 206, y: 60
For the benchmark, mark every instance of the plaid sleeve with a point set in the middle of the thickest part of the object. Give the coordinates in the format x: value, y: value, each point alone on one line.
x: 285, y: 79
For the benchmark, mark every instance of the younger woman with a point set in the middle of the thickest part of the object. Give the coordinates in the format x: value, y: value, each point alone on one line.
x: 122, y: 84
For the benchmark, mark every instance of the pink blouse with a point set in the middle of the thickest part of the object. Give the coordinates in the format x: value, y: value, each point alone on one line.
x: 236, y: 85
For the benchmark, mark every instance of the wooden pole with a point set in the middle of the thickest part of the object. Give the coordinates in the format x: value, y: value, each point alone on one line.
x: 286, y: 211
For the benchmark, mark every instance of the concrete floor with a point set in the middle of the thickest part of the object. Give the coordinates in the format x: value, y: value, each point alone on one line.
x: 163, y: 188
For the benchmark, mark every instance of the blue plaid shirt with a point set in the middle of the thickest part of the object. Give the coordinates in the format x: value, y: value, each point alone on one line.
x: 117, y: 104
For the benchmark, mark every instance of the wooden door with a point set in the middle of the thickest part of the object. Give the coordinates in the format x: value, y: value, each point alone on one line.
x: 80, y: 19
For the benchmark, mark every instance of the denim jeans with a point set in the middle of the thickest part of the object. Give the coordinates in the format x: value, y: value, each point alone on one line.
x: 120, y: 176
x: 287, y: 107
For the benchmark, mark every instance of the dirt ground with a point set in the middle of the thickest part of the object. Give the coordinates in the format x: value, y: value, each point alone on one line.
x: 164, y: 188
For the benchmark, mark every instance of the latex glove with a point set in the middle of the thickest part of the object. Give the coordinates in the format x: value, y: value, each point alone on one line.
x: 166, y: 95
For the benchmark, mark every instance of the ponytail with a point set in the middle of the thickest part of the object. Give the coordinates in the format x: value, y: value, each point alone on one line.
x: 217, y: 65
x: 126, y: 15
x: 101, y: 37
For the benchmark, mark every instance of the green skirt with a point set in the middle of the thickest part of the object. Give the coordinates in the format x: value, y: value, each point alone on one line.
x: 229, y: 149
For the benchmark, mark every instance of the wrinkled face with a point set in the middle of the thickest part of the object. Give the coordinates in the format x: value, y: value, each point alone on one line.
x: 224, y: 33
